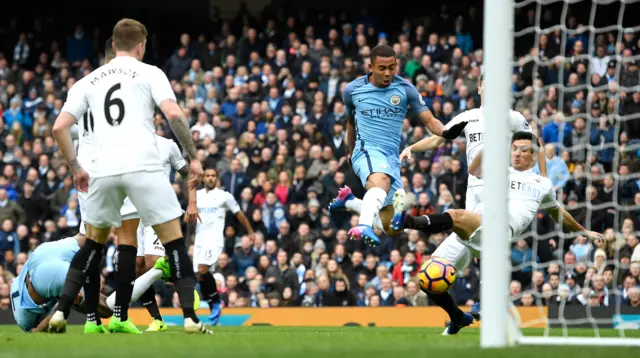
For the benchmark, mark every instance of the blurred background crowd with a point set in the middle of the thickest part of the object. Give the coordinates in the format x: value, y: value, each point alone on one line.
x: 263, y: 94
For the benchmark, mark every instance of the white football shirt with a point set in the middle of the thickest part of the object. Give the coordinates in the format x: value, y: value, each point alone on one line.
x: 213, y: 206
x: 528, y: 193
x: 122, y: 95
x: 170, y: 155
x: 474, y: 133
x: 82, y: 133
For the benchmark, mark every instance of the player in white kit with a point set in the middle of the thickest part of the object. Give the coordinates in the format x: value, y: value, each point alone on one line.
x: 149, y: 247
x: 122, y: 95
x: 451, y: 248
x: 213, y: 204
x: 528, y: 192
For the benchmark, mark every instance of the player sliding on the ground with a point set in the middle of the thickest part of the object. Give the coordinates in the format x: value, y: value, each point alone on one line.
x: 377, y: 105
x: 528, y: 192
x: 212, y: 206
x: 35, y: 292
x: 459, y: 255
x: 122, y: 95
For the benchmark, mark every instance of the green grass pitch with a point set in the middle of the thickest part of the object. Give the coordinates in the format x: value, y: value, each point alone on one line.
x: 282, y: 342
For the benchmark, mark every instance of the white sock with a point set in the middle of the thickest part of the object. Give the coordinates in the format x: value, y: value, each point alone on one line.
x: 377, y: 223
x: 371, y: 204
x: 140, y: 286
x: 354, y: 204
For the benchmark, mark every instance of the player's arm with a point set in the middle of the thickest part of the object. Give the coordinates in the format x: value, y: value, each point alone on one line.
x: 245, y: 222
x: 419, y: 108
x: 351, y: 121
x: 562, y: 216
x: 423, y: 145
x: 542, y: 159
x: 180, y: 165
x: 351, y: 134
x: 164, y: 98
x: 43, y: 326
x: 75, y: 106
x: 62, y: 134
x: 232, y: 205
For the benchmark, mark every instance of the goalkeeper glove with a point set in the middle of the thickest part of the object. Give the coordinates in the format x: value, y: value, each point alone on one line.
x: 454, y: 132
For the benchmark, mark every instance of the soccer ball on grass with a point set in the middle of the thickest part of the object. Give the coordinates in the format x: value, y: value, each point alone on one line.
x: 436, y: 275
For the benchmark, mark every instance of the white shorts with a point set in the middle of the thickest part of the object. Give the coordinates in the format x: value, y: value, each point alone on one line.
x: 454, y: 251
x: 148, y: 242
x: 206, y: 251
x: 150, y: 192
x: 128, y: 210
x: 458, y: 252
x: 474, y: 197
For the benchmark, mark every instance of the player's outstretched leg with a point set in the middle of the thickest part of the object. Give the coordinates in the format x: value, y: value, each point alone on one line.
x: 148, y: 298
x: 462, y: 222
x: 458, y: 318
x: 209, y: 290
x: 85, y: 261
x: 430, y: 224
x: 399, y: 209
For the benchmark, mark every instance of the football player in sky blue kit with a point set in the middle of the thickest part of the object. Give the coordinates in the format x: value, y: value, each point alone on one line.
x: 36, y: 291
x: 377, y: 105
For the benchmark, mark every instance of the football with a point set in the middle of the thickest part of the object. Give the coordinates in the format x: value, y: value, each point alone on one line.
x: 436, y: 275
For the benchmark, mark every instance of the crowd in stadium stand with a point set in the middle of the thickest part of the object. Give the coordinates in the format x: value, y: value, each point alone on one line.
x: 265, y: 105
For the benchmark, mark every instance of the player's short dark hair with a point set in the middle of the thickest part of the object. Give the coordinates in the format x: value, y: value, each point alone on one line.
x: 211, y: 168
x: 381, y: 51
x: 524, y: 136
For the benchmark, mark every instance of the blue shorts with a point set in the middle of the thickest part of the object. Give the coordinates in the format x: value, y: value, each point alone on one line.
x: 370, y: 160
x: 47, y: 268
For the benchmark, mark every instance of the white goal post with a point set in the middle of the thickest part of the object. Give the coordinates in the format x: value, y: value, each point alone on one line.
x: 500, y: 327
x: 498, y: 47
